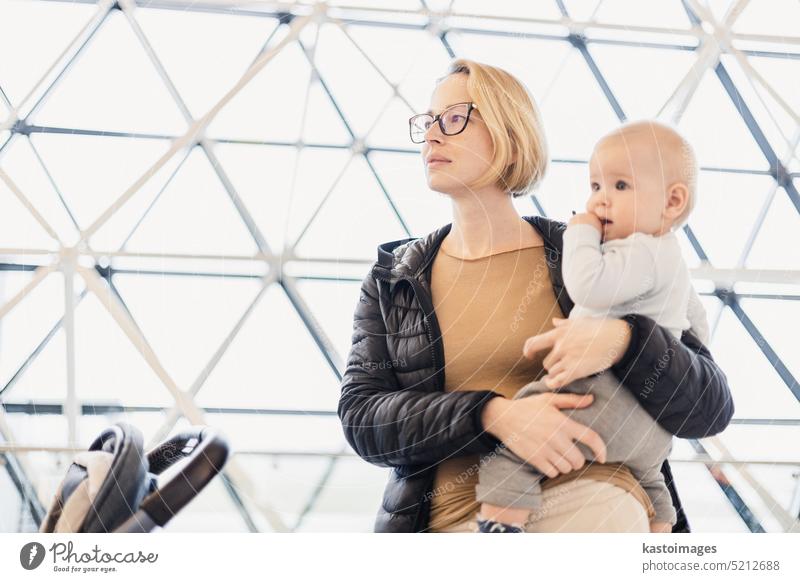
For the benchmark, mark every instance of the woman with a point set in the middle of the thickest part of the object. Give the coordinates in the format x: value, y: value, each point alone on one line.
x: 443, y: 320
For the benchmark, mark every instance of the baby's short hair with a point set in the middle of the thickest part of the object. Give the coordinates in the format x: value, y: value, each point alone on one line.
x: 686, y: 165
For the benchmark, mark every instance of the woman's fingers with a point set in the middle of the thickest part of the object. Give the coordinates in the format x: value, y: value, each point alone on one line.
x: 545, y: 467
x: 574, y: 456
x: 571, y: 401
x: 559, y: 462
x: 565, y: 449
x: 590, y: 438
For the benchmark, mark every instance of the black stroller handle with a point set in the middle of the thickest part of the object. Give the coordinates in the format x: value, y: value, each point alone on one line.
x: 207, y: 452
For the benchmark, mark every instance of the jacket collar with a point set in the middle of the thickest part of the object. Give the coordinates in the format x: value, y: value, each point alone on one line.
x: 409, y: 257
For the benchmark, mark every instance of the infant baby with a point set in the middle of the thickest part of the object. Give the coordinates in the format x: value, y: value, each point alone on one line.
x: 620, y: 257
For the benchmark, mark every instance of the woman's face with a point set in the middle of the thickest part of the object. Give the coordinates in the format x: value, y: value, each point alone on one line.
x: 468, y: 154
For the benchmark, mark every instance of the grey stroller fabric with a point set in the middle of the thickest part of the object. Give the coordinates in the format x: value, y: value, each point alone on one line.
x: 78, y: 491
x: 104, y: 485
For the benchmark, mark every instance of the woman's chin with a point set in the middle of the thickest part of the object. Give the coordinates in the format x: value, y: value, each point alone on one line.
x: 441, y: 186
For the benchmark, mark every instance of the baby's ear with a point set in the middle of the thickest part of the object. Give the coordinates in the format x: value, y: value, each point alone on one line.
x: 676, y: 201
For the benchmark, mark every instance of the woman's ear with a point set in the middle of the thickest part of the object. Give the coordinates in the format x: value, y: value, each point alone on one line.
x: 677, y: 200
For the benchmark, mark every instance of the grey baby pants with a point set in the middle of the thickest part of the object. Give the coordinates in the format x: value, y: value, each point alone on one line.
x: 631, y: 435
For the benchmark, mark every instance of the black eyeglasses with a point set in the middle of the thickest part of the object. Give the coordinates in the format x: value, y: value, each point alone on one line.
x: 452, y: 121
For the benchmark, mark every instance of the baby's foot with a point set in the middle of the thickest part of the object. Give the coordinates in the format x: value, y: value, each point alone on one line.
x: 491, y: 526
x: 503, y: 514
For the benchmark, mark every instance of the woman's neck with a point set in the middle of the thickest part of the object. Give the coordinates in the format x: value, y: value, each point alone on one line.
x: 486, y: 222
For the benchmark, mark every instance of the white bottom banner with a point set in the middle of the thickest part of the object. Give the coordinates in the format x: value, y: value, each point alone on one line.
x: 400, y: 557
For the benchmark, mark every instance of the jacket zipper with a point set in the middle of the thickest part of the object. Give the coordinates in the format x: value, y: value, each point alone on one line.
x: 427, y: 308
x: 430, y: 321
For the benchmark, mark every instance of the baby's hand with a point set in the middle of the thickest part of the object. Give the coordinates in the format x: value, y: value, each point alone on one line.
x: 586, y: 218
x: 660, y: 527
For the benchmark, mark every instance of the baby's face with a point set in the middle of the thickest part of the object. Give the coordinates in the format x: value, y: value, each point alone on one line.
x: 628, y: 195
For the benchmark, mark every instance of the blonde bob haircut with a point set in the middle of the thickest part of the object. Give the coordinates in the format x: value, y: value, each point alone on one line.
x: 505, y: 105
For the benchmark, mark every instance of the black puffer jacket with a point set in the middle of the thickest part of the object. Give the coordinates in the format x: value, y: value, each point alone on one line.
x: 395, y: 412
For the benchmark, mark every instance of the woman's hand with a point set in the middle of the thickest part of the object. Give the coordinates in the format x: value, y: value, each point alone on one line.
x: 536, y: 430
x: 660, y: 527
x: 580, y: 347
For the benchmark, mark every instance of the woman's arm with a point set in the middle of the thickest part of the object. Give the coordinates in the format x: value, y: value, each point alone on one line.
x: 389, y: 425
x: 676, y: 382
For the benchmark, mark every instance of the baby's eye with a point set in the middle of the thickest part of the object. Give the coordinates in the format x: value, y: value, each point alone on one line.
x: 621, y: 185
x: 595, y: 186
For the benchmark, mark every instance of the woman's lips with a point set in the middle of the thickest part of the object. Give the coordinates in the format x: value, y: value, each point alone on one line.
x: 435, y: 163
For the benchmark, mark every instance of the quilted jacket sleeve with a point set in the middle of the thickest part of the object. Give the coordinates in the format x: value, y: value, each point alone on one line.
x: 676, y: 381
x: 388, y: 425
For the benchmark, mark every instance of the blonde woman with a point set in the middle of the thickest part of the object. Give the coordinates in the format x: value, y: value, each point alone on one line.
x: 442, y: 320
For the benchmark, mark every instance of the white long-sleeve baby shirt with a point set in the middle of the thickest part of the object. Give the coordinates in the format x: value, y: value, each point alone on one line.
x: 641, y: 273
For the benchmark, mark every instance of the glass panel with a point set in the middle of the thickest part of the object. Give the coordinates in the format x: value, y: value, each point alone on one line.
x: 349, y: 499
x: 403, y: 5
x: 391, y: 129
x: 40, y: 31
x: 318, y: 172
x: 515, y: 55
x: 511, y: 8
x: 404, y: 177
x: 706, y: 506
x: 12, y: 514
x: 91, y: 172
x: 113, y: 86
x: 758, y: 391
x: 120, y: 376
x: 212, y: 510
x: 350, y: 84
x: 776, y: 320
x: 185, y: 319
x: 565, y: 188
x: 402, y: 55
x: 322, y: 123
x: 778, y: 18
x: 18, y: 227
x: 213, y: 53
x: 341, y: 232
x: 719, y: 8
x: 197, y: 203
x: 333, y: 305
x: 25, y: 326
x: 665, y: 14
x: 575, y: 120
x: 777, y: 245
x: 641, y: 79
x: 775, y: 122
x: 263, y: 179
x: 260, y: 367
x: 23, y: 166
x: 270, y: 106
x: 717, y: 132
x: 739, y: 198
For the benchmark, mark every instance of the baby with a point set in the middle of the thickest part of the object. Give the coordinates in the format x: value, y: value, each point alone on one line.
x: 620, y: 257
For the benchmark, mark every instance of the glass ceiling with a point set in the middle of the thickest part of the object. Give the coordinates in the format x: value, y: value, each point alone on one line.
x: 217, y: 196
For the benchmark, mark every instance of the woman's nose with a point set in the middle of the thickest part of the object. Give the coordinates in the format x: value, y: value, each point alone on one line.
x: 434, y: 133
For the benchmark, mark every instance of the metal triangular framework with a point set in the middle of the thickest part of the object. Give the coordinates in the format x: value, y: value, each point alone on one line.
x: 715, y: 37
